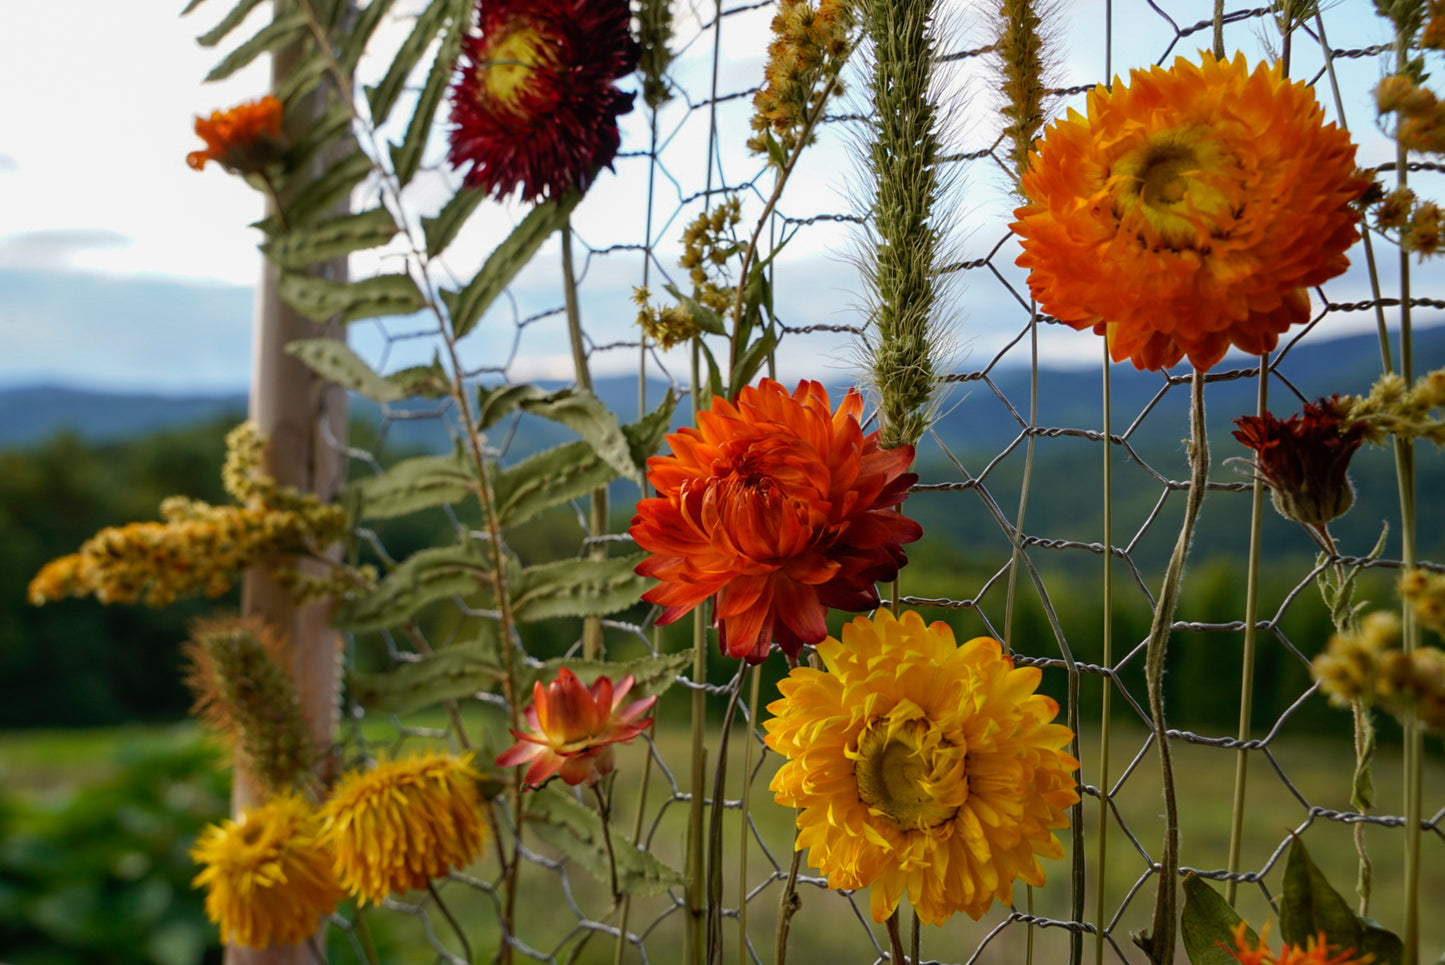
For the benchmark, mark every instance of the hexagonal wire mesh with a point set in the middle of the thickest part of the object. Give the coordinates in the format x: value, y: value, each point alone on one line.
x: 684, y: 158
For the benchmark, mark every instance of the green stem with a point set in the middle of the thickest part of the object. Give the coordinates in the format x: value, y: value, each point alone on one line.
x: 602, y: 812
x: 695, y: 865
x: 743, y: 835
x: 1018, y: 533
x: 715, y: 827
x: 1246, y: 674
x: 1100, y: 906
x: 895, y: 940
x: 1364, y: 750
x: 363, y: 935
x: 1159, y: 943
x: 451, y: 920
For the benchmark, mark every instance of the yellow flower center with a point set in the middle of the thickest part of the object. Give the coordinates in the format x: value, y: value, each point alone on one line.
x: 511, y: 61
x: 1167, y: 189
x: 908, y: 772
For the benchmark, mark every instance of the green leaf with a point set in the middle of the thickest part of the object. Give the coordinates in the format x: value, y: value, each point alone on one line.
x: 413, y: 484
x: 587, y: 415
x: 577, y: 832
x: 1208, y: 922
x: 548, y: 479
x: 229, y: 22
x: 702, y: 316
x: 334, y: 360
x: 1310, y: 905
x: 191, y: 6
x: 775, y: 150
x: 319, y: 198
x: 441, y: 230
x: 353, y: 45
x: 424, y: 577
x: 277, y: 33
x: 468, y: 305
x: 406, y: 157
x: 645, y: 435
x: 382, y: 97
x: 332, y: 238
x: 752, y: 359
x: 651, y: 676
x: 322, y: 134
x: 714, y: 376
x: 1384, y: 944
x: 451, y: 673
x: 320, y: 299
x: 304, y: 76
x: 577, y: 588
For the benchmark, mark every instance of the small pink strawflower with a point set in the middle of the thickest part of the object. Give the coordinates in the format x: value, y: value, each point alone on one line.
x: 573, y: 728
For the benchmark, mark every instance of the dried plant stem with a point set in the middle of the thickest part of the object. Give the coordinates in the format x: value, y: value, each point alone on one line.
x: 597, y: 512
x: 695, y: 862
x: 451, y: 920
x: 1364, y: 734
x: 715, y: 829
x: 743, y: 837
x: 895, y: 940
x: 1101, y: 860
x: 1246, y: 673
x: 604, y: 813
x: 1028, y: 475
x: 1159, y: 943
x: 789, y: 903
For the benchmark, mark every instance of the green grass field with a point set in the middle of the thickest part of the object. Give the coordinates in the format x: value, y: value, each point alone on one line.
x: 43, y: 767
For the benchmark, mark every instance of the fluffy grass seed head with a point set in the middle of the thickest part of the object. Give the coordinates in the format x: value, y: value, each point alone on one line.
x: 404, y: 822
x: 243, y: 692
x: 1394, y: 408
x: 922, y: 767
x: 268, y: 875
x: 1348, y: 667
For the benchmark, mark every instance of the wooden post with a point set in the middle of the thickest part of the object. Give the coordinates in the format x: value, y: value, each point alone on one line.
x: 295, y: 411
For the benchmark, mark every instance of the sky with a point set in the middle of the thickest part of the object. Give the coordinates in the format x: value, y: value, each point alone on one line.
x: 122, y: 268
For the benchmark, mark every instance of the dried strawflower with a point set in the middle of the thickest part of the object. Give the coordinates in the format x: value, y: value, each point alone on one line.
x: 779, y: 509
x: 1315, y: 952
x: 534, y: 105
x: 268, y: 875
x: 404, y: 822
x: 922, y: 767
x: 573, y: 728
x: 1305, y: 459
x: 244, y: 140
x: 1189, y: 211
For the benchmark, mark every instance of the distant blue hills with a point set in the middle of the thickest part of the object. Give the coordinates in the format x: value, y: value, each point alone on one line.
x: 974, y: 414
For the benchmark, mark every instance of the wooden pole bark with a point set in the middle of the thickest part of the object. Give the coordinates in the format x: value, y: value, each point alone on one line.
x: 297, y: 412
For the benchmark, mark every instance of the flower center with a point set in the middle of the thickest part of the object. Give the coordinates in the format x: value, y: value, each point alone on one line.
x: 511, y: 61
x: 1167, y: 189
x: 906, y: 771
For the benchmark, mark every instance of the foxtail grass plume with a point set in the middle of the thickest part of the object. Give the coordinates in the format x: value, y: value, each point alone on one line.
x: 244, y: 140
x: 1189, y: 211
x: 534, y: 106
x: 921, y: 767
x: 778, y: 509
x: 268, y: 875
x: 901, y: 258
x: 404, y: 822
x: 1020, y: 52
x: 243, y: 692
x: 572, y: 728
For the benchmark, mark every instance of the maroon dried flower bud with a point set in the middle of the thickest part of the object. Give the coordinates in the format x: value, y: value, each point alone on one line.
x: 1303, y: 459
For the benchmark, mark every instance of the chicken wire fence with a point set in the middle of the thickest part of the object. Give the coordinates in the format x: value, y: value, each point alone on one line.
x: 684, y: 158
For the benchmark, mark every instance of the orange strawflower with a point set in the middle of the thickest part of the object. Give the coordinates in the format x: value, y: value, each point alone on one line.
x: 1189, y: 211
x: 779, y: 509
x: 243, y: 140
x: 573, y: 729
x: 1317, y: 952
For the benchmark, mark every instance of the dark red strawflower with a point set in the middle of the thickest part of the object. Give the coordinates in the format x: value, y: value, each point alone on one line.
x: 534, y: 106
x: 778, y: 508
x: 1303, y: 459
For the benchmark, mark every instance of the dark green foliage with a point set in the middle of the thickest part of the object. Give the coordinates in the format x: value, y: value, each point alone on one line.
x: 105, y: 878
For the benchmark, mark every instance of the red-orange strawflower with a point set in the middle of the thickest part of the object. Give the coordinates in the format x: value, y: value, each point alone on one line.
x: 1303, y: 459
x: 573, y: 729
x: 534, y: 105
x: 778, y: 508
x: 1316, y: 952
x: 243, y: 140
x: 1189, y: 211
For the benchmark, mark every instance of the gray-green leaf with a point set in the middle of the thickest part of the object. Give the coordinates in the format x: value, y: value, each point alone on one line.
x: 577, y: 588
x: 277, y: 33
x: 424, y: 577
x: 413, y: 484
x: 1208, y: 922
x: 331, y: 238
x: 577, y: 832
x: 320, y: 299
x: 451, y: 673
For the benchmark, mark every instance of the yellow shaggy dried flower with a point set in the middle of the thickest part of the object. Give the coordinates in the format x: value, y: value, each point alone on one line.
x: 811, y: 41
x: 402, y: 823
x: 922, y: 767
x: 268, y: 876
